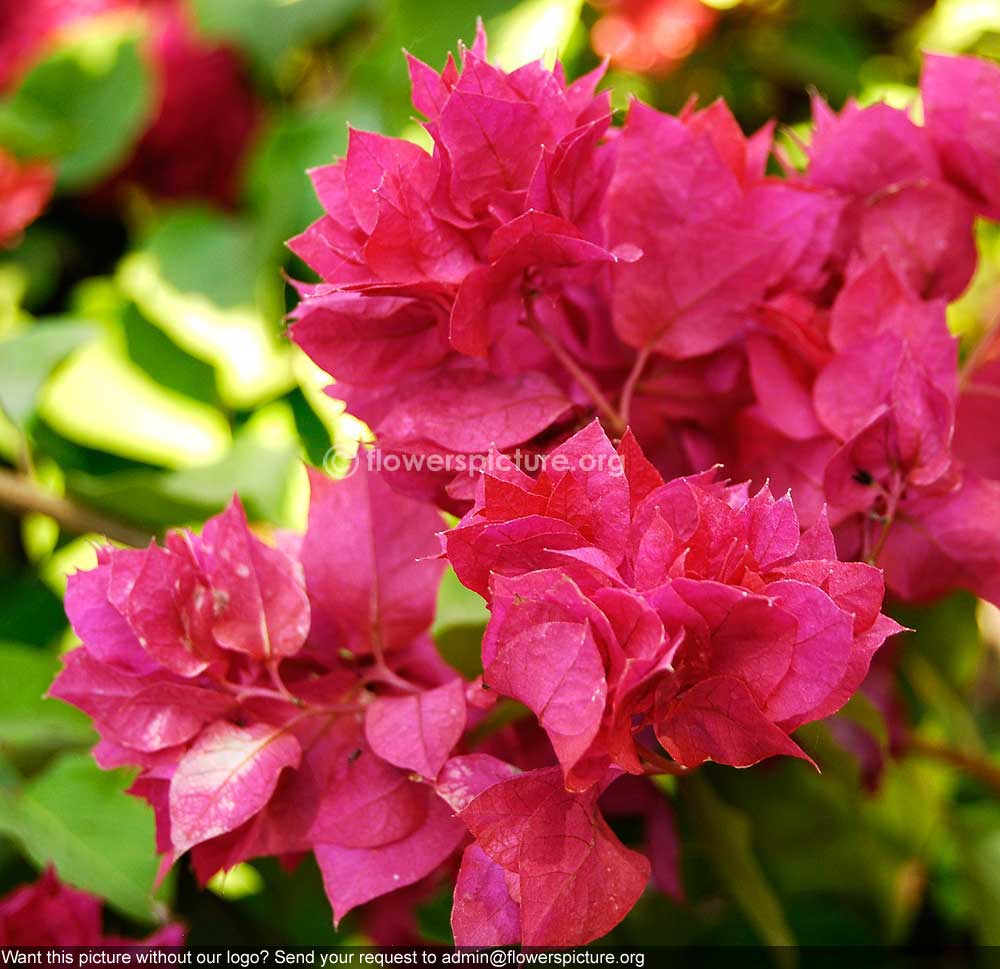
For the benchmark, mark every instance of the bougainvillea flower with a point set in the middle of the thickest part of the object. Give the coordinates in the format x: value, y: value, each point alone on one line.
x: 50, y: 913
x: 703, y: 267
x: 977, y: 422
x: 961, y: 96
x: 463, y: 272
x: 206, y: 114
x: 545, y: 868
x: 620, y: 601
x: 276, y: 702
x: 25, y: 189
x: 204, y: 110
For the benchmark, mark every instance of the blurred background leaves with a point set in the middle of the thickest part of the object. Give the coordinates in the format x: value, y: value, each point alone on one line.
x: 144, y: 377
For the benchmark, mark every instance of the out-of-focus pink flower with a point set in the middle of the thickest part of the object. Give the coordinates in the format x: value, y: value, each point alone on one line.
x: 29, y: 27
x: 204, y: 109
x: 25, y: 189
x: 205, y: 117
x: 650, y: 36
x: 49, y: 912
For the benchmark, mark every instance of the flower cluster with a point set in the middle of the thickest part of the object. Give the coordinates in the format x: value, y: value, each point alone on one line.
x: 50, y: 913
x: 541, y: 267
x: 193, y: 146
x: 453, y: 283
x: 689, y: 607
x: 636, y: 304
x: 283, y: 699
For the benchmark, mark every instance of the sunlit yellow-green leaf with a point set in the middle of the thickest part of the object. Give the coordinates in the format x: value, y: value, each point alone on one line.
x: 240, y: 881
x: 956, y: 25
x: 341, y: 426
x: 80, y: 555
x: 532, y: 30
x: 250, y: 361
x: 101, y: 401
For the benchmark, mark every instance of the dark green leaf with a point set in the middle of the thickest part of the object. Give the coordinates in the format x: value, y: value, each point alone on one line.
x: 266, y: 29
x: 724, y: 835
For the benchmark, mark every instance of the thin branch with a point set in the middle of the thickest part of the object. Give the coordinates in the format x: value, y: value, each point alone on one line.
x: 586, y: 382
x: 628, y: 390
x: 975, y: 765
x: 380, y: 673
x: 658, y: 764
x: 21, y: 494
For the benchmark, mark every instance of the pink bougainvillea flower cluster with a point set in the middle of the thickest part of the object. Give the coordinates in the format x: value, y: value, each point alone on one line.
x: 630, y: 305
x: 50, y: 913
x: 452, y: 282
x: 857, y: 397
x: 620, y: 602
x: 284, y: 699
x: 634, y: 616
x: 279, y: 699
x: 204, y: 110
x: 540, y: 266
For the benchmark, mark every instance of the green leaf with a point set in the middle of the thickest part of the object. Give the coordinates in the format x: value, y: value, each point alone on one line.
x: 933, y: 689
x: 947, y: 636
x: 102, y: 400
x: 151, y: 349
x: 266, y: 29
x: 84, y: 105
x: 205, y: 280
x: 29, y: 611
x: 78, y: 818
x: 457, y: 605
x: 860, y: 710
x: 162, y: 498
x: 27, y: 719
x: 724, y: 835
x: 205, y: 252
x: 28, y: 358
x: 278, y: 188
x: 459, y: 622
x: 978, y: 831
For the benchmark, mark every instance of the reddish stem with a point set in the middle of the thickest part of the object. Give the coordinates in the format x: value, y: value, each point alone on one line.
x: 585, y: 381
x: 631, y: 382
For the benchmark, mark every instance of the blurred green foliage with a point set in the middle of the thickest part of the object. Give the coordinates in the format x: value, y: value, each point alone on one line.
x: 144, y: 375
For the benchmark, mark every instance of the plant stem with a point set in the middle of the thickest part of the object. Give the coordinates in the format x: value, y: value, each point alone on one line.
x: 659, y: 764
x: 22, y: 495
x: 892, y: 506
x: 586, y: 382
x: 975, y: 765
x: 631, y: 381
x: 380, y: 673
